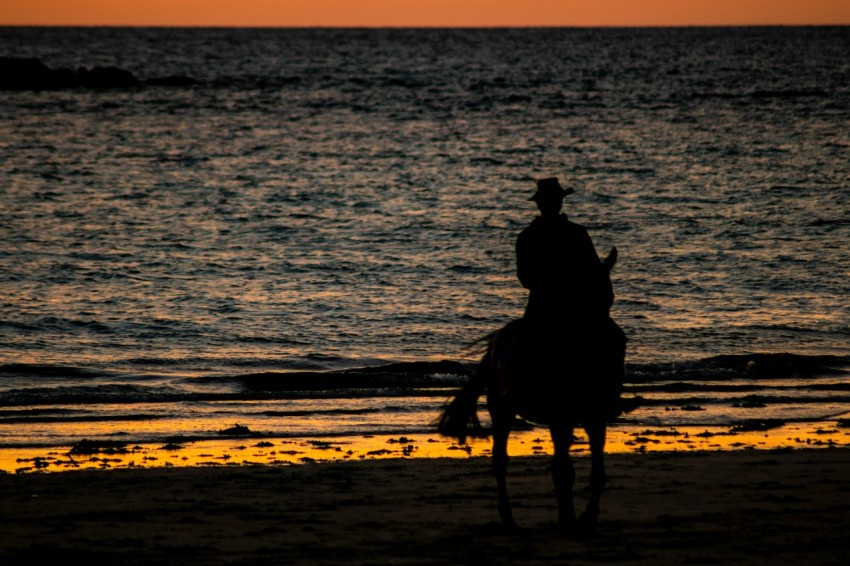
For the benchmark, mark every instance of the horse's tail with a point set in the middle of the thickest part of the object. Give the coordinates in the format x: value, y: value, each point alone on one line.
x: 460, y: 417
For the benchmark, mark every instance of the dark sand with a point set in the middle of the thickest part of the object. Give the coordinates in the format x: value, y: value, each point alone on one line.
x: 747, y: 507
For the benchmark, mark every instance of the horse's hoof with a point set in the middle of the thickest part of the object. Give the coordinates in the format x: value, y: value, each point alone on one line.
x: 508, y: 520
x: 568, y: 526
x: 585, y: 526
x: 508, y: 524
x: 567, y: 520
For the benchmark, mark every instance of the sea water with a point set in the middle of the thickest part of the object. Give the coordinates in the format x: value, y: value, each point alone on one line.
x: 319, y: 201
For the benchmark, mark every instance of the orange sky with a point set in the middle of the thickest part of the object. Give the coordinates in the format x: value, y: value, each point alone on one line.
x: 371, y: 13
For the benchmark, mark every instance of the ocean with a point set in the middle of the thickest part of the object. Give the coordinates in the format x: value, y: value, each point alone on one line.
x: 304, y: 231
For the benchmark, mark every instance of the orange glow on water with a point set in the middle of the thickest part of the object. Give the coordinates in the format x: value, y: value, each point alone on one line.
x: 424, y: 13
x: 277, y: 451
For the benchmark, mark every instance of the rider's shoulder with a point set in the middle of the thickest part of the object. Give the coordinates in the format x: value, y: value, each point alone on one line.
x: 541, y: 226
x: 570, y: 225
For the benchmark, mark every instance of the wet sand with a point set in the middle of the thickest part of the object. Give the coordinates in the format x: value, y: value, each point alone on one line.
x: 743, y: 507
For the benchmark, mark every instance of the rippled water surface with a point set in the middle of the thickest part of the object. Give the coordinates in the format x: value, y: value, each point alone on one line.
x: 327, y: 199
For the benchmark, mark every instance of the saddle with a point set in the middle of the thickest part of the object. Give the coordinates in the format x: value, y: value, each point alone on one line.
x: 573, y: 373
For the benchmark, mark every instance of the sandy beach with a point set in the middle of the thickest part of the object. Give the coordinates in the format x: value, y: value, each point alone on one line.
x: 708, y: 507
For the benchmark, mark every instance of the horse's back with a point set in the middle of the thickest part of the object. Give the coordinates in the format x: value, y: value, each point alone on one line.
x: 575, y: 375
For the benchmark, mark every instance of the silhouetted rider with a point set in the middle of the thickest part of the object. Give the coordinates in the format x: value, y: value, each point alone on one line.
x: 557, y: 263
x: 566, y: 322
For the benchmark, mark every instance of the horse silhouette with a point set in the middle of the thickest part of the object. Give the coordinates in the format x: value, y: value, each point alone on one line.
x: 577, y: 385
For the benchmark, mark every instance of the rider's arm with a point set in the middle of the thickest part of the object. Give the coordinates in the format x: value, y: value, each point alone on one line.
x: 526, y: 270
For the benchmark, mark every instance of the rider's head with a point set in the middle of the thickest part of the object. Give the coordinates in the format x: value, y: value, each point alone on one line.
x: 550, y: 196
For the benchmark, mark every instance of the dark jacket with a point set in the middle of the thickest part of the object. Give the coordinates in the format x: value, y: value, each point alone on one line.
x: 557, y: 263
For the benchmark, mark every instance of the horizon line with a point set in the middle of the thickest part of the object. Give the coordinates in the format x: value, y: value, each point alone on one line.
x: 389, y: 26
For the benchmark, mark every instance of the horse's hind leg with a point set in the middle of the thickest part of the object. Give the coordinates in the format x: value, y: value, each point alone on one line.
x: 563, y: 474
x: 501, y: 431
x: 598, y: 478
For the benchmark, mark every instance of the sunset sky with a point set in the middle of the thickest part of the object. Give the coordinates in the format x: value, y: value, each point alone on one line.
x: 425, y: 13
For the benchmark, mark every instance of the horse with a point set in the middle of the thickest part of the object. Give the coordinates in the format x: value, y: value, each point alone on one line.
x: 561, y: 404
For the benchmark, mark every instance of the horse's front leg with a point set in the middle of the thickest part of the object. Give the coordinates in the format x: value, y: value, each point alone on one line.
x: 563, y: 474
x: 598, y: 478
x: 502, y: 424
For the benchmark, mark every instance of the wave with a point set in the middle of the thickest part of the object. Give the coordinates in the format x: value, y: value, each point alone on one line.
x: 397, y: 375
x: 302, y: 376
x: 697, y: 402
x: 72, y: 385
x: 75, y: 419
x: 47, y: 370
x: 98, y: 394
x: 676, y: 377
x: 39, y: 384
x: 764, y: 93
x: 742, y: 366
x: 329, y: 412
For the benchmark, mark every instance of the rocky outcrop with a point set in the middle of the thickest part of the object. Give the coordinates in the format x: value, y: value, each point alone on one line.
x: 18, y: 73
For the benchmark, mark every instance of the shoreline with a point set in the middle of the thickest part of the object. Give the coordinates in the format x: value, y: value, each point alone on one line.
x: 741, y: 507
x: 623, y: 438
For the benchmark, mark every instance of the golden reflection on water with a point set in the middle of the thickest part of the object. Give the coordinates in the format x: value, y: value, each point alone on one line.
x: 536, y: 442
